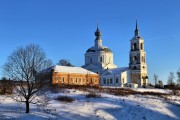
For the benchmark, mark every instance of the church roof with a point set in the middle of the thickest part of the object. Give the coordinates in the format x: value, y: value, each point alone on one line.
x: 115, y: 70
x: 68, y: 69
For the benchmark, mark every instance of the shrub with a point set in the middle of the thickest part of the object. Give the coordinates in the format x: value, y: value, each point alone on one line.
x: 65, y: 99
x: 176, y: 92
x: 92, y: 95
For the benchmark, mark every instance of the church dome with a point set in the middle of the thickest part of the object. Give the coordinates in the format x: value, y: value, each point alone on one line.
x: 100, y: 49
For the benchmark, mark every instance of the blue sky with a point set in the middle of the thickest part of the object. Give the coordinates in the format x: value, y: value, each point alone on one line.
x: 65, y: 29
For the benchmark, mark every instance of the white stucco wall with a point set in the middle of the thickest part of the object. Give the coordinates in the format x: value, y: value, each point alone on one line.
x: 123, y: 78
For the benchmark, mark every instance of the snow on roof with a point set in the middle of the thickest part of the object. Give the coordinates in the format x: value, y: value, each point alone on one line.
x: 116, y: 70
x: 68, y: 69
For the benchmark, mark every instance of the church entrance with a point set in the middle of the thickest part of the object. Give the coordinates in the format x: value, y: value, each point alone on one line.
x: 135, y: 81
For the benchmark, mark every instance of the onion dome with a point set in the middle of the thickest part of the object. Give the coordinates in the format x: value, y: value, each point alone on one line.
x: 98, y: 32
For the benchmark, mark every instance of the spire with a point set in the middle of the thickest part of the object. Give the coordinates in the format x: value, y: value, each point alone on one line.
x: 136, y: 30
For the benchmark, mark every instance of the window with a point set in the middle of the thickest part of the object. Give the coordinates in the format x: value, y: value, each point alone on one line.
x: 135, y: 68
x: 142, y: 59
x: 116, y: 80
x: 134, y: 46
x: 107, y: 81
x: 62, y: 80
x: 101, y: 59
x: 104, y: 80
x: 83, y: 79
x: 110, y: 80
x: 79, y: 79
x: 91, y: 80
x: 141, y: 46
x: 134, y: 58
x: 76, y: 80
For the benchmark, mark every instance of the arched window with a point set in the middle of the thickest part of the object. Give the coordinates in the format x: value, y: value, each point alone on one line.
x: 134, y: 58
x: 104, y: 79
x: 117, y: 80
x: 107, y: 81
x: 142, y: 59
x: 101, y: 59
x: 134, y: 46
x: 141, y: 46
x: 110, y: 80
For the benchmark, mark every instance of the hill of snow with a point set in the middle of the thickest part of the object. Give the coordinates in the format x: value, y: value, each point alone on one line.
x: 106, y: 107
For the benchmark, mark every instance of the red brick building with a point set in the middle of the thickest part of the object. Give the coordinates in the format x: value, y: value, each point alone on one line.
x: 72, y: 76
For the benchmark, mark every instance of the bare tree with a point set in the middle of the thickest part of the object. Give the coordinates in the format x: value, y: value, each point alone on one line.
x: 155, y: 79
x: 64, y: 62
x: 22, y: 66
x: 171, y: 79
x: 178, y: 77
x: 46, y: 64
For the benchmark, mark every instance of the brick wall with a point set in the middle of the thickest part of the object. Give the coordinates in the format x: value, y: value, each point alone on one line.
x: 75, y: 79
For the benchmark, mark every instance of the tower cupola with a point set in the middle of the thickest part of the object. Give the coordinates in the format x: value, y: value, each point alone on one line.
x: 98, y: 41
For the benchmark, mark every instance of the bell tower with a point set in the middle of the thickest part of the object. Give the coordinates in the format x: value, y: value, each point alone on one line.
x: 137, y: 64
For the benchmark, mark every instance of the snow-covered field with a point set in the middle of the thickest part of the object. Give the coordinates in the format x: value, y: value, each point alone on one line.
x: 107, y: 107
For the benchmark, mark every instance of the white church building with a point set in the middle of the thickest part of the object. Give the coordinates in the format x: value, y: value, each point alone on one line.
x: 99, y: 59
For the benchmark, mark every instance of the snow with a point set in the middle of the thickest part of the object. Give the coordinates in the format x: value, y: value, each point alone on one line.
x: 107, y: 107
x: 153, y: 90
x: 116, y: 70
x: 68, y: 69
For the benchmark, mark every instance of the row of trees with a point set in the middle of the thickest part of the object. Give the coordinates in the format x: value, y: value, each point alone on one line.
x: 22, y: 67
x: 171, y: 79
x: 158, y: 83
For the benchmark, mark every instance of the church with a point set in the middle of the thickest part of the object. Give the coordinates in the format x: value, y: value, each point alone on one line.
x: 99, y: 68
x: 99, y: 59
